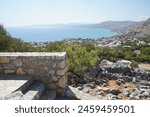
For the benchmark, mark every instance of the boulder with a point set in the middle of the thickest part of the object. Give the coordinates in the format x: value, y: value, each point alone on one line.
x: 100, y: 92
x: 114, y: 91
x: 120, y: 81
x: 144, y: 82
x: 127, y: 91
x: 86, y: 90
x: 134, y: 80
x: 143, y: 87
x: 90, y: 86
x: 101, y: 81
x: 110, y: 97
x: 80, y: 88
x: 104, y: 89
x: 135, y: 93
x: 124, y: 63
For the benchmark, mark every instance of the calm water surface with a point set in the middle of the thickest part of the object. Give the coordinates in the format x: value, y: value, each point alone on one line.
x: 56, y: 33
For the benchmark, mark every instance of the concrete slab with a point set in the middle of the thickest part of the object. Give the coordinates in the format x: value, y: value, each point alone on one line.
x: 34, y: 92
x: 15, y: 54
x: 12, y: 83
x: 81, y: 95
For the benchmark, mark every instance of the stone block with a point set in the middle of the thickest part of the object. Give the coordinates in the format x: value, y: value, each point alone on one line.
x: 9, y: 71
x: 61, y: 72
x: 30, y: 72
x: 51, y: 72
x: 35, y: 92
x: 62, y: 64
x: 54, y: 78
x: 61, y: 56
x: 4, y: 60
x: 31, y: 95
x: 12, y: 57
x: 63, y: 82
x: 20, y: 71
x: 52, y: 64
x: 8, y: 67
x: 17, y: 63
x: 53, y: 57
x: 45, y: 69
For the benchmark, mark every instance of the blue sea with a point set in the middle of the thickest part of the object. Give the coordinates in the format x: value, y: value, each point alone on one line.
x: 56, y: 33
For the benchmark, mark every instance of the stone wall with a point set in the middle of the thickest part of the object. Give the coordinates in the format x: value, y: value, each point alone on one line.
x: 48, y: 68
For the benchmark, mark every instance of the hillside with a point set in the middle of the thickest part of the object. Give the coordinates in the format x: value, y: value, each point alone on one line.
x: 117, y: 26
x: 10, y: 44
x: 137, y: 34
x: 142, y: 30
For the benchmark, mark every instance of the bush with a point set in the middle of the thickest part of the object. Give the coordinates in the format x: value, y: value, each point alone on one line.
x: 9, y: 44
x: 134, y: 64
x: 79, y: 58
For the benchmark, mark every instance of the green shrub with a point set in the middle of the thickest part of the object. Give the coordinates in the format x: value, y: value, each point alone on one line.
x: 79, y: 58
x: 134, y: 64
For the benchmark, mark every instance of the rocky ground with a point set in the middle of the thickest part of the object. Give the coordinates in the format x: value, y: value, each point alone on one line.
x: 113, y: 81
x: 105, y: 81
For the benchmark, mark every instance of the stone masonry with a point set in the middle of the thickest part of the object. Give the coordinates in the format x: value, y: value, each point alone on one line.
x: 48, y: 68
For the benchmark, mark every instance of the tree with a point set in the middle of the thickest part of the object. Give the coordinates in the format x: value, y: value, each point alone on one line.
x: 79, y: 58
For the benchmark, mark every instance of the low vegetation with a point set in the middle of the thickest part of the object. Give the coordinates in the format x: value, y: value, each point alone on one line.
x: 80, y: 56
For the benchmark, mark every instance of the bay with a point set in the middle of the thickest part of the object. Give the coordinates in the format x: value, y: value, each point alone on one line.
x: 57, y: 33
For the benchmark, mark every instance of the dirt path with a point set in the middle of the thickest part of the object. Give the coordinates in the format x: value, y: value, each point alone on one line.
x: 144, y: 66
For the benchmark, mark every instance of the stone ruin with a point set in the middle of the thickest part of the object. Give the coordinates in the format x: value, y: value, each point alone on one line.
x: 47, y: 68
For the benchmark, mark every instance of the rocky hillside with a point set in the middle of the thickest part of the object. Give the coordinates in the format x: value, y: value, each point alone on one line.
x: 142, y: 30
x: 117, y: 26
x: 125, y: 26
x: 138, y: 34
x: 111, y: 81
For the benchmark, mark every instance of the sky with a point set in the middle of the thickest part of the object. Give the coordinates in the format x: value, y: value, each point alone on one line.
x: 33, y: 12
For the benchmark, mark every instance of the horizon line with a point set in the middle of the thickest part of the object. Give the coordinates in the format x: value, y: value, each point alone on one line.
x: 69, y: 23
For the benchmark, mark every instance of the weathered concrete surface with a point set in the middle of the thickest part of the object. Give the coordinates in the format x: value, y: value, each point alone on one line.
x: 12, y: 83
x: 79, y: 94
x: 34, y: 92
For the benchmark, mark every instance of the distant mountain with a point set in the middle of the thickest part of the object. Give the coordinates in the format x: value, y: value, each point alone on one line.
x: 118, y: 26
x: 115, y: 25
x: 138, y: 33
x: 142, y: 29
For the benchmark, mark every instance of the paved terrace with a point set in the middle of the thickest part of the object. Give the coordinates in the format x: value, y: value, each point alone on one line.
x: 12, y: 83
x: 47, y: 68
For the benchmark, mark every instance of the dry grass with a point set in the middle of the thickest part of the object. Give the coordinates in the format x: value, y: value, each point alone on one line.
x: 144, y: 66
x: 112, y: 84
